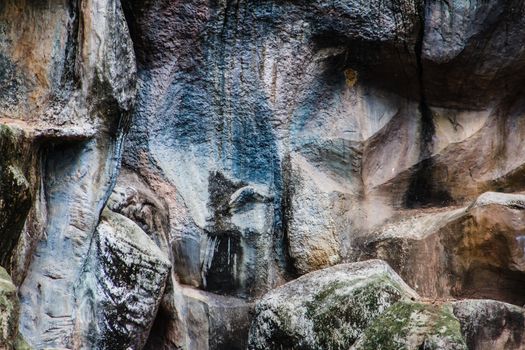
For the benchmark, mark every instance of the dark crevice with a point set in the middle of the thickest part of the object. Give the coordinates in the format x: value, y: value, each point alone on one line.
x: 423, y: 190
x: 287, y: 212
x: 160, y: 334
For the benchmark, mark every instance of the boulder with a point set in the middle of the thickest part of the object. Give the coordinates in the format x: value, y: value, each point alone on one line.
x: 326, y: 309
x: 123, y: 284
x: 489, y: 324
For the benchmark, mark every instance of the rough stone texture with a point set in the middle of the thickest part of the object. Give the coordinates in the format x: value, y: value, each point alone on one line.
x: 473, y: 252
x: 488, y: 324
x: 326, y: 309
x: 227, y: 115
x: 413, y: 326
x: 10, y: 338
x: 316, y: 206
x: 123, y: 284
x: 68, y: 85
x: 269, y: 139
x: 339, y: 114
x: 216, y: 322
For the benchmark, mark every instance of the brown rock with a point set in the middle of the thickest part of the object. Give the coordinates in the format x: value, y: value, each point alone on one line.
x: 474, y: 252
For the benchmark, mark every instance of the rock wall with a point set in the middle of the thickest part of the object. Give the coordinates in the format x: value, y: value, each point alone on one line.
x: 167, y: 166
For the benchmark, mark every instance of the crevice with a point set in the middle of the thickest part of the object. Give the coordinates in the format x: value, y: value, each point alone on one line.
x: 290, y: 270
x: 423, y: 191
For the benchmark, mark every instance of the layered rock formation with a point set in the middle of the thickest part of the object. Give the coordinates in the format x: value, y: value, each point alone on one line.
x: 261, y: 141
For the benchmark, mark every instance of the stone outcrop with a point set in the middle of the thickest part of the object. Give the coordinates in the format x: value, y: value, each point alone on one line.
x: 165, y: 165
x: 472, y: 252
x: 68, y: 87
x: 124, y: 283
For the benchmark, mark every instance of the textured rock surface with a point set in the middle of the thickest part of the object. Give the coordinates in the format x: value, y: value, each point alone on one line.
x: 465, y: 250
x: 216, y: 322
x: 333, y: 116
x: 126, y: 278
x: 413, y: 326
x: 327, y: 309
x: 68, y: 86
x: 10, y: 338
x: 267, y: 140
x: 488, y: 324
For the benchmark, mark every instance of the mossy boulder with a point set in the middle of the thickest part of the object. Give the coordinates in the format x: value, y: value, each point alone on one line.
x: 15, y: 190
x: 9, y: 311
x: 413, y: 326
x: 326, y: 309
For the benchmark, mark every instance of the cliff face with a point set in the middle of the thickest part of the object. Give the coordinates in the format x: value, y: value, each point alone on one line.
x: 166, y: 166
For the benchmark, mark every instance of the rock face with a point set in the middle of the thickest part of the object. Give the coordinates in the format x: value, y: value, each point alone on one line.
x: 465, y: 250
x: 489, y: 324
x: 164, y: 165
x: 68, y: 87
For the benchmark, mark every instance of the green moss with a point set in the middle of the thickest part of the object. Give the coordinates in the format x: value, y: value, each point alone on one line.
x: 407, y: 326
x: 9, y: 309
x: 446, y: 326
x: 342, y: 311
x: 21, y: 344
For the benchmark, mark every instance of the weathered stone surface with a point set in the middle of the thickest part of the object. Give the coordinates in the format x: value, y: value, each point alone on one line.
x: 123, y: 285
x: 216, y: 322
x: 15, y: 189
x: 9, y: 311
x: 413, y: 326
x: 316, y: 207
x: 489, y: 324
x: 270, y: 139
x: 454, y: 32
x: 458, y: 252
x: 244, y: 99
x: 340, y: 112
x: 10, y: 339
x: 326, y: 309
x: 68, y: 86
x: 136, y: 200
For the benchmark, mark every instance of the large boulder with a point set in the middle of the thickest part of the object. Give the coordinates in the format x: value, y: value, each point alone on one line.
x: 326, y: 309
